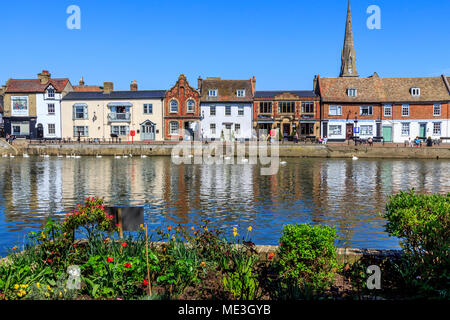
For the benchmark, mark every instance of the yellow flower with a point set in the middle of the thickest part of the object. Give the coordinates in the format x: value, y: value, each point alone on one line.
x: 38, y: 285
x: 234, y: 229
x: 249, y: 228
x: 60, y: 294
x: 16, y: 286
x: 206, y: 228
x: 43, y: 235
x: 235, y: 233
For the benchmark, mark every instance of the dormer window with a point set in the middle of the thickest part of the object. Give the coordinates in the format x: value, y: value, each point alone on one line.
x: 212, y: 92
x: 50, y: 92
x: 351, y: 92
x: 240, y: 93
x: 415, y: 92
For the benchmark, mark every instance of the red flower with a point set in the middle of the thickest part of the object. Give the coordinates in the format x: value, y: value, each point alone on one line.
x: 49, y: 261
x: 145, y: 282
x: 169, y: 228
x: 271, y: 255
x: 110, y: 259
x: 124, y: 244
x: 127, y: 265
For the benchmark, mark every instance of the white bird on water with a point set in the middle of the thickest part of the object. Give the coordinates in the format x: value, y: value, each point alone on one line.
x: 77, y: 157
x: 227, y: 158
x: 283, y: 163
x: 60, y: 155
x: 5, y: 156
x: 25, y: 155
x: 98, y: 156
x: 46, y: 156
x: 244, y: 160
x: 355, y: 158
x: 67, y: 155
x: 117, y: 157
x: 143, y: 156
x: 11, y: 156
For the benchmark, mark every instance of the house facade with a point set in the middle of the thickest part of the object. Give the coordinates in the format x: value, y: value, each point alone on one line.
x: 32, y: 107
x: 182, y: 112
x: 288, y: 111
x: 226, y: 108
x: 107, y: 114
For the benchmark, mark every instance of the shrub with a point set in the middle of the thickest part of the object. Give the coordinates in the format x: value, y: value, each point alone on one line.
x: 307, y: 256
x: 422, y: 222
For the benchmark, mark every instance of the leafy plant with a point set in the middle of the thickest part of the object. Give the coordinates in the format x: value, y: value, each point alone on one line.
x: 307, y: 256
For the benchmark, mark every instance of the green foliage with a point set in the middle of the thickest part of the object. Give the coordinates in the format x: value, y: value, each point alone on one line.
x: 422, y: 222
x: 307, y: 256
x: 240, y: 277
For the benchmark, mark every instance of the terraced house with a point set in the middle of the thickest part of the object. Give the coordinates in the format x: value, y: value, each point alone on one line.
x: 226, y: 108
x: 182, y: 112
x: 106, y: 114
x: 32, y: 107
x: 288, y: 111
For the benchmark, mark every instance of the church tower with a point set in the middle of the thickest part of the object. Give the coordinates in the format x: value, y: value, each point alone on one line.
x: 348, y: 64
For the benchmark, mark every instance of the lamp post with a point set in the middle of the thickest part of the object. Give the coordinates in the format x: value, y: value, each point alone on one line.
x: 355, y: 128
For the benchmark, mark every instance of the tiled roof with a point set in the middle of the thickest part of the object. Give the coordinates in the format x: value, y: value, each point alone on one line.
x: 34, y: 85
x: 116, y: 95
x: 273, y: 94
x: 87, y: 88
x: 375, y: 89
x: 226, y: 90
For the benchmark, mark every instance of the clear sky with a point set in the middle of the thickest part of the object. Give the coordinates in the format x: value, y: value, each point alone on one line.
x: 282, y: 43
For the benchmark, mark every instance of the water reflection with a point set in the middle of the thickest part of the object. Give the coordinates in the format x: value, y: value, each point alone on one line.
x: 345, y: 193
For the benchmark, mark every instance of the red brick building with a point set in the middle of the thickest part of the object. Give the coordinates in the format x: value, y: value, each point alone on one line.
x: 182, y: 111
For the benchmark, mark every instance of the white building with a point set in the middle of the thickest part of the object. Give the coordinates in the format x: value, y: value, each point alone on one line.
x: 226, y: 108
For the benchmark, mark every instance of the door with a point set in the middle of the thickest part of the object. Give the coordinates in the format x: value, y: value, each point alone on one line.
x: 40, y: 131
x: 423, y: 130
x: 227, y: 132
x: 387, y: 134
x: 349, y: 131
x: 147, y: 132
x: 325, y: 129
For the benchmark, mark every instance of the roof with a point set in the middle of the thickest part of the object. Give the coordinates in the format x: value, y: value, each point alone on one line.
x: 116, y: 95
x: 34, y: 85
x: 87, y: 88
x: 273, y: 94
x: 375, y: 89
x: 226, y: 90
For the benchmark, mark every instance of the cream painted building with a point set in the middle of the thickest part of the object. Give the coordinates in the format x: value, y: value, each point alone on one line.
x: 108, y: 113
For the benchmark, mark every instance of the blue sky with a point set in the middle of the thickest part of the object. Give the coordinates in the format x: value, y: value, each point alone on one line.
x: 282, y: 43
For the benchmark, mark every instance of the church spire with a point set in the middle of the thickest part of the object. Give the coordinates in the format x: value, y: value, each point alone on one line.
x: 348, y: 64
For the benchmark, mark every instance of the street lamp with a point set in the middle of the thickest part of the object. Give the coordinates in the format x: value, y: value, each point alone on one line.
x: 356, y: 126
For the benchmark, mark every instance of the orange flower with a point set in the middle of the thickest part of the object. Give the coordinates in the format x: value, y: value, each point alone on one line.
x: 169, y: 228
x: 203, y: 263
x: 271, y: 255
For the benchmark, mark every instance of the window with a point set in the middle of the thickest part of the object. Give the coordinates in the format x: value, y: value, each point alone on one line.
x: 148, y: 108
x: 80, y: 111
x: 436, y: 128
x: 237, y: 128
x: 306, y: 129
x: 212, y: 92
x: 51, y: 108
x: 19, y: 106
x: 50, y: 92
x: 212, y: 110
x: 366, y: 110
x: 51, y: 128
x: 240, y: 93
x: 437, y: 110
x: 405, y: 129
x: 265, y: 107
x: 173, y: 106
x: 20, y: 128
x: 228, y: 126
x: 351, y: 92
x: 335, y: 111
x: 307, y: 107
x: 82, y: 131
x: 415, y: 92
x: 335, y: 130
x: 240, y: 111
x: 387, y: 110
x: 173, y: 128
x: 405, y: 110
x: 366, y: 130
x: 120, y: 130
x: 212, y: 128
x: 190, y: 106
x: 228, y: 110
x: 286, y: 107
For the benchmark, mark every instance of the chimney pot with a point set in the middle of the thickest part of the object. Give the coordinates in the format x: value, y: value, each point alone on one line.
x: 133, y: 86
x: 108, y: 87
x: 44, y: 76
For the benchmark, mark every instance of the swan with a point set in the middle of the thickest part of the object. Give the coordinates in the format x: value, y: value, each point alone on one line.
x: 244, y: 160
x: 4, y: 156
x: 77, y: 157
x: 11, y: 156
x: 131, y: 156
x: 60, y: 155
x: 283, y: 162
x: 67, y: 155
x: 143, y: 156
x: 355, y: 158
x: 98, y: 156
x: 25, y: 155
x: 125, y: 156
x: 117, y: 157
x: 46, y: 156
x: 227, y: 158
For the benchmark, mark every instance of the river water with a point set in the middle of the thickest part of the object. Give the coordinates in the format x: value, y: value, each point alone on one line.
x: 341, y: 192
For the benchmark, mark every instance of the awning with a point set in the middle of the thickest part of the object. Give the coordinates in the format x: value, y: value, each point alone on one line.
x: 80, y: 105
x: 120, y: 104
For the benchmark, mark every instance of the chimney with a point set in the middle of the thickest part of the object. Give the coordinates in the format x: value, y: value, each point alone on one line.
x: 200, y: 81
x: 133, y: 86
x: 81, y: 81
x: 108, y: 87
x: 44, y: 76
x: 253, y: 82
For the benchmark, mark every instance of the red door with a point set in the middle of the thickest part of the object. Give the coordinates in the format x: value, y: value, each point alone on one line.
x: 349, y: 131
